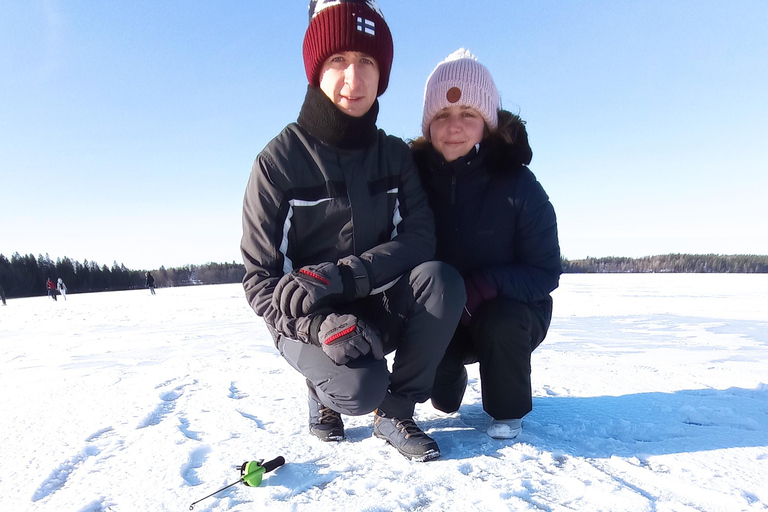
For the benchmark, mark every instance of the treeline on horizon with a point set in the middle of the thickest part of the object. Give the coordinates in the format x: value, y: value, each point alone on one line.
x: 677, y: 263
x: 25, y: 276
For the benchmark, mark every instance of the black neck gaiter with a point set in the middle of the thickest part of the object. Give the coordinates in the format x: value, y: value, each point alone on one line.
x: 324, y: 121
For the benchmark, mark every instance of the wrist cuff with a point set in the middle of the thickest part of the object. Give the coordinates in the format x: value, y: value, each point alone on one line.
x: 314, y: 328
x: 354, y: 277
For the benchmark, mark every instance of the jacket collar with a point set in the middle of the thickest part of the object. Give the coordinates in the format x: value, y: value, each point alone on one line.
x: 461, y: 166
x: 324, y: 121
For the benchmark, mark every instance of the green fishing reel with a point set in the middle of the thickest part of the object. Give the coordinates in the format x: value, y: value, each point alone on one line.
x: 251, y: 473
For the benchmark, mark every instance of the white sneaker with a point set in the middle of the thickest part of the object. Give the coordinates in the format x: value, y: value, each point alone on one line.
x: 505, y: 429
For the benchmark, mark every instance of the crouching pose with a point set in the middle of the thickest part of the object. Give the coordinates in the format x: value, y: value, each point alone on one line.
x: 495, y: 224
x: 337, y: 238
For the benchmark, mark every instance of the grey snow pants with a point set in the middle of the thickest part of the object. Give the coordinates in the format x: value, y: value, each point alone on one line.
x: 416, y: 319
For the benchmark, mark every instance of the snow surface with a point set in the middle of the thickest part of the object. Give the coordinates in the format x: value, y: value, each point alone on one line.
x: 650, y: 394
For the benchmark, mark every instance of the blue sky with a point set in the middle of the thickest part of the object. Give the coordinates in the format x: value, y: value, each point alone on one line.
x: 128, y: 129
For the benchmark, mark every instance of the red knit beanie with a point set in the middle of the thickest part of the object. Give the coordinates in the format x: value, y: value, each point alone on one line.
x: 347, y: 26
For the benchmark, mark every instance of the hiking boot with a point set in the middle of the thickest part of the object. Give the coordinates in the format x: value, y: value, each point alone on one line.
x: 324, y: 422
x: 406, y: 437
x: 505, y: 429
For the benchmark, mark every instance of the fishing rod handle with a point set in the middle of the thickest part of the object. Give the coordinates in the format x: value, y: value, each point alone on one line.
x: 273, y: 464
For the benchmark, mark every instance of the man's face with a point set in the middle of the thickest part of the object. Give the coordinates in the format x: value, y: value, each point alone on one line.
x: 351, y: 81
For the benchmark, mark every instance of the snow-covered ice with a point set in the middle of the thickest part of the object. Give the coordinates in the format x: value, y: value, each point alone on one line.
x: 650, y: 394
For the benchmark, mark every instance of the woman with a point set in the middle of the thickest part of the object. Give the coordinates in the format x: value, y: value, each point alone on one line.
x: 495, y: 224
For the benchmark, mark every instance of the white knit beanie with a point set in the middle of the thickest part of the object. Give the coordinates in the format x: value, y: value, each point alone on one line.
x: 461, y: 80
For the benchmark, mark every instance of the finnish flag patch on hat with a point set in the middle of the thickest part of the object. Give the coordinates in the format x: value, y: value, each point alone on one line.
x: 367, y: 26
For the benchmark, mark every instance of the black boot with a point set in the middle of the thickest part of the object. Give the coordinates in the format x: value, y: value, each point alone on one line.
x: 324, y: 422
x: 407, y: 437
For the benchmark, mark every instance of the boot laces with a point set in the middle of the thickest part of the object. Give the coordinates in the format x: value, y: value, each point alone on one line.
x: 328, y: 415
x: 410, y: 428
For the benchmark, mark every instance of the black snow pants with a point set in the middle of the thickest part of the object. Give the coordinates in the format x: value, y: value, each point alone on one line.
x: 501, y: 338
x: 416, y: 319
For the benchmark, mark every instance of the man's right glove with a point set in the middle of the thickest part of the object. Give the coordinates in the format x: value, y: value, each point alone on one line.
x: 312, y: 287
x: 345, y: 337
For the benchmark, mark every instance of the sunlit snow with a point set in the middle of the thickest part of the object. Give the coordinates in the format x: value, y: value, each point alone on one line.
x: 650, y: 394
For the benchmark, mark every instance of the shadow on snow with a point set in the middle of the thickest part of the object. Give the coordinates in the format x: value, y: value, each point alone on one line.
x: 633, y: 425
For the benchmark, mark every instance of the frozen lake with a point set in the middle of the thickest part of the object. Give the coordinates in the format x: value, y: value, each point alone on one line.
x: 650, y: 394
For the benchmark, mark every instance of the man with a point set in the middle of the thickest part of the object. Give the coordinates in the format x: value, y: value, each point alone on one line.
x: 150, y: 282
x: 337, y: 235
x: 51, y: 289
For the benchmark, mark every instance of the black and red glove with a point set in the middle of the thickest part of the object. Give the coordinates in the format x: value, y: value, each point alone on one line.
x: 345, y: 337
x: 312, y: 287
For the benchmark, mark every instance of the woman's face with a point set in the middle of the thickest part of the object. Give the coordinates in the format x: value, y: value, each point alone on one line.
x: 455, y: 129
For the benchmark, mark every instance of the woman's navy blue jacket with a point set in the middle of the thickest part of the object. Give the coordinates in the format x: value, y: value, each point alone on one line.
x: 493, y: 218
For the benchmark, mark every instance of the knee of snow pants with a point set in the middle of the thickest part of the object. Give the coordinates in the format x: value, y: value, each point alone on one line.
x: 353, y: 389
x: 416, y: 317
x: 430, y: 300
x: 504, y: 335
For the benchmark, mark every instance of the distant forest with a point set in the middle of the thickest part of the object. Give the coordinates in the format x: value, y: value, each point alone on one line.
x: 25, y: 276
x: 679, y: 263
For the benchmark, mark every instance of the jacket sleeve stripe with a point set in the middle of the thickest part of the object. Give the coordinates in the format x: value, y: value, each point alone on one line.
x: 382, y: 185
x: 397, y: 218
x: 287, y: 263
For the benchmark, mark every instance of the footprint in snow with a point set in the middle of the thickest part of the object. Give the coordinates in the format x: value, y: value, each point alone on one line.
x: 259, y: 423
x: 164, y: 408
x: 196, y: 459
x: 235, y: 393
x: 99, y: 434
x: 99, y: 505
x: 166, y: 383
x: 59, y: 475
x: 189, y: 434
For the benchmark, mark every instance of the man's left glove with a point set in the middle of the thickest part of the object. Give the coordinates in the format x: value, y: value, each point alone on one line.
x: 312, y: 287
x: 345, y: 337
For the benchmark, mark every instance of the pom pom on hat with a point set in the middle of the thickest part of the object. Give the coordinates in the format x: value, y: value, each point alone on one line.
x: 347, y: 25
x: 461, y: 80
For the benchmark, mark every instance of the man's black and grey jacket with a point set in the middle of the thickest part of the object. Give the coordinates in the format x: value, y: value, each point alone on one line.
x: 332, y: 188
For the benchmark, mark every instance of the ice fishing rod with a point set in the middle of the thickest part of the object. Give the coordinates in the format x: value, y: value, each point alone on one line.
x: 250, y: 474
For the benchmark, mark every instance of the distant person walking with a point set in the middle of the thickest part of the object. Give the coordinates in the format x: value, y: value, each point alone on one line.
x: 2, y: 295
x: 62, y: 288
x: 150, y: 283
x: 51, y: 286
